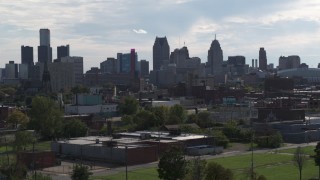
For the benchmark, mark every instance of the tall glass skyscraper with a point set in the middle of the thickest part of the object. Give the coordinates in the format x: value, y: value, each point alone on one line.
x: 44, y: 50
x: 45, y: 37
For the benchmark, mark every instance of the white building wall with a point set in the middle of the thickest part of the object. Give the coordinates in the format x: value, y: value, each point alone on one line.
x: 105, y: 108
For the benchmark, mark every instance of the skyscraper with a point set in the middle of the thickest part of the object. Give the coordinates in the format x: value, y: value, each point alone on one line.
x: 63, y: 51
x: 127, y: 62
x: 289, y: 62
x: 109, y: 66
x: 133, y: 62
x: 262, y: 59
x: 215, y: 57
x: 44, y: 37
x: 161, y: 51
x: 77, y: 63
x: 11, y: 70
x: 44, y: 50
x: 144, y: 68
x: 27, y: 55
x: 179, y: 56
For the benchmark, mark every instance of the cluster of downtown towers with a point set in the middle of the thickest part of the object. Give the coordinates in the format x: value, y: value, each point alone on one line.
x: 161, y: 58
x: 44, y: 50
x: 167, y: 67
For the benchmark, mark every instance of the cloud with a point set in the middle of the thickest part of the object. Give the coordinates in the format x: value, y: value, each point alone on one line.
x: 140, y: 31
x: 182, y: 1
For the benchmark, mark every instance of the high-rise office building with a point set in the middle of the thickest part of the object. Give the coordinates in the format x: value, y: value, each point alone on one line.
x: 289, y: 62
x: 179, y: 56
x: 215, y: 57
x: 77, y: 63
x: 161, y: 51
x: 109, y: 66
x: 262, y: 59
x: 27, y: 55
x: 127, y: 62
x: 133, y: 62
x: 144, y: 68
x: 62, y: 76
x: 44, y: 50
x: 11, y: 70
x: 63, y: 51
x: 44, y: 37
x: 44, y: 54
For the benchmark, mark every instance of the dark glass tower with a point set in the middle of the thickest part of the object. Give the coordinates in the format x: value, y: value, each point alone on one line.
x: 63, y: 51
x: 262, y: 59
x: 27, y: 55
x: 144, y: 68
x: 161, y: 52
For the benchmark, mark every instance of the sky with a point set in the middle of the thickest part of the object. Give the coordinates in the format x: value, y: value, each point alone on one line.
x: 97, y: 29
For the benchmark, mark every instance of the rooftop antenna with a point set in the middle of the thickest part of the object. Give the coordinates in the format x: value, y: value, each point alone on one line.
x: 184, y: 43
x: 179, y: 41
x: 215, y: 36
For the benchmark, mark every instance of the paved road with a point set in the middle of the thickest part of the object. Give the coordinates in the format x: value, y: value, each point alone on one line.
x: 109, y: 171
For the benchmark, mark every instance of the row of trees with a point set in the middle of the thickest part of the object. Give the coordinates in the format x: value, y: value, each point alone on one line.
x: 173, y: 166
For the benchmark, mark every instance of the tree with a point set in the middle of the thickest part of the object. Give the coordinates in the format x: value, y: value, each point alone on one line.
x: 144, y: 120
x: 161, y: 114
x: 196, y: 169
x: 317, y: 157
x: 177, y: 115
x: 80, y: 89
x: 22, y: 139
x: 15, y: 171
x: 299, y: 159
x: 204, y: 120
x: 192, y: 118
x: 219, y: 138
x: 80, y: 172
x: 46, y: 117
x: 17, y: 118
x: 172, y: 164
x: 129, y: 106
x: 269, y: 141
x: 75, y: 128
x: 217, y: 172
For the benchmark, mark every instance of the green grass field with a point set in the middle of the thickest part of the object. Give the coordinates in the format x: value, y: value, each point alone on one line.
x: 273, y: 166
x: 40, y: 146
x: 307, y: 150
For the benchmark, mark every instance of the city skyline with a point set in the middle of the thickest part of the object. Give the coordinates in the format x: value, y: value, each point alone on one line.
x: 99, y: 29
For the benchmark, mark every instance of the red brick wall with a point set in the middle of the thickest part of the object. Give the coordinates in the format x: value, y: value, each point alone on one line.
x: 142, y: 155
x: 41, y: 159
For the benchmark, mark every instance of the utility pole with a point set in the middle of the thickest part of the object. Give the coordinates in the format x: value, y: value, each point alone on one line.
x: 126, y: 158
x: 34, y: 164
x: 252, y: 172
